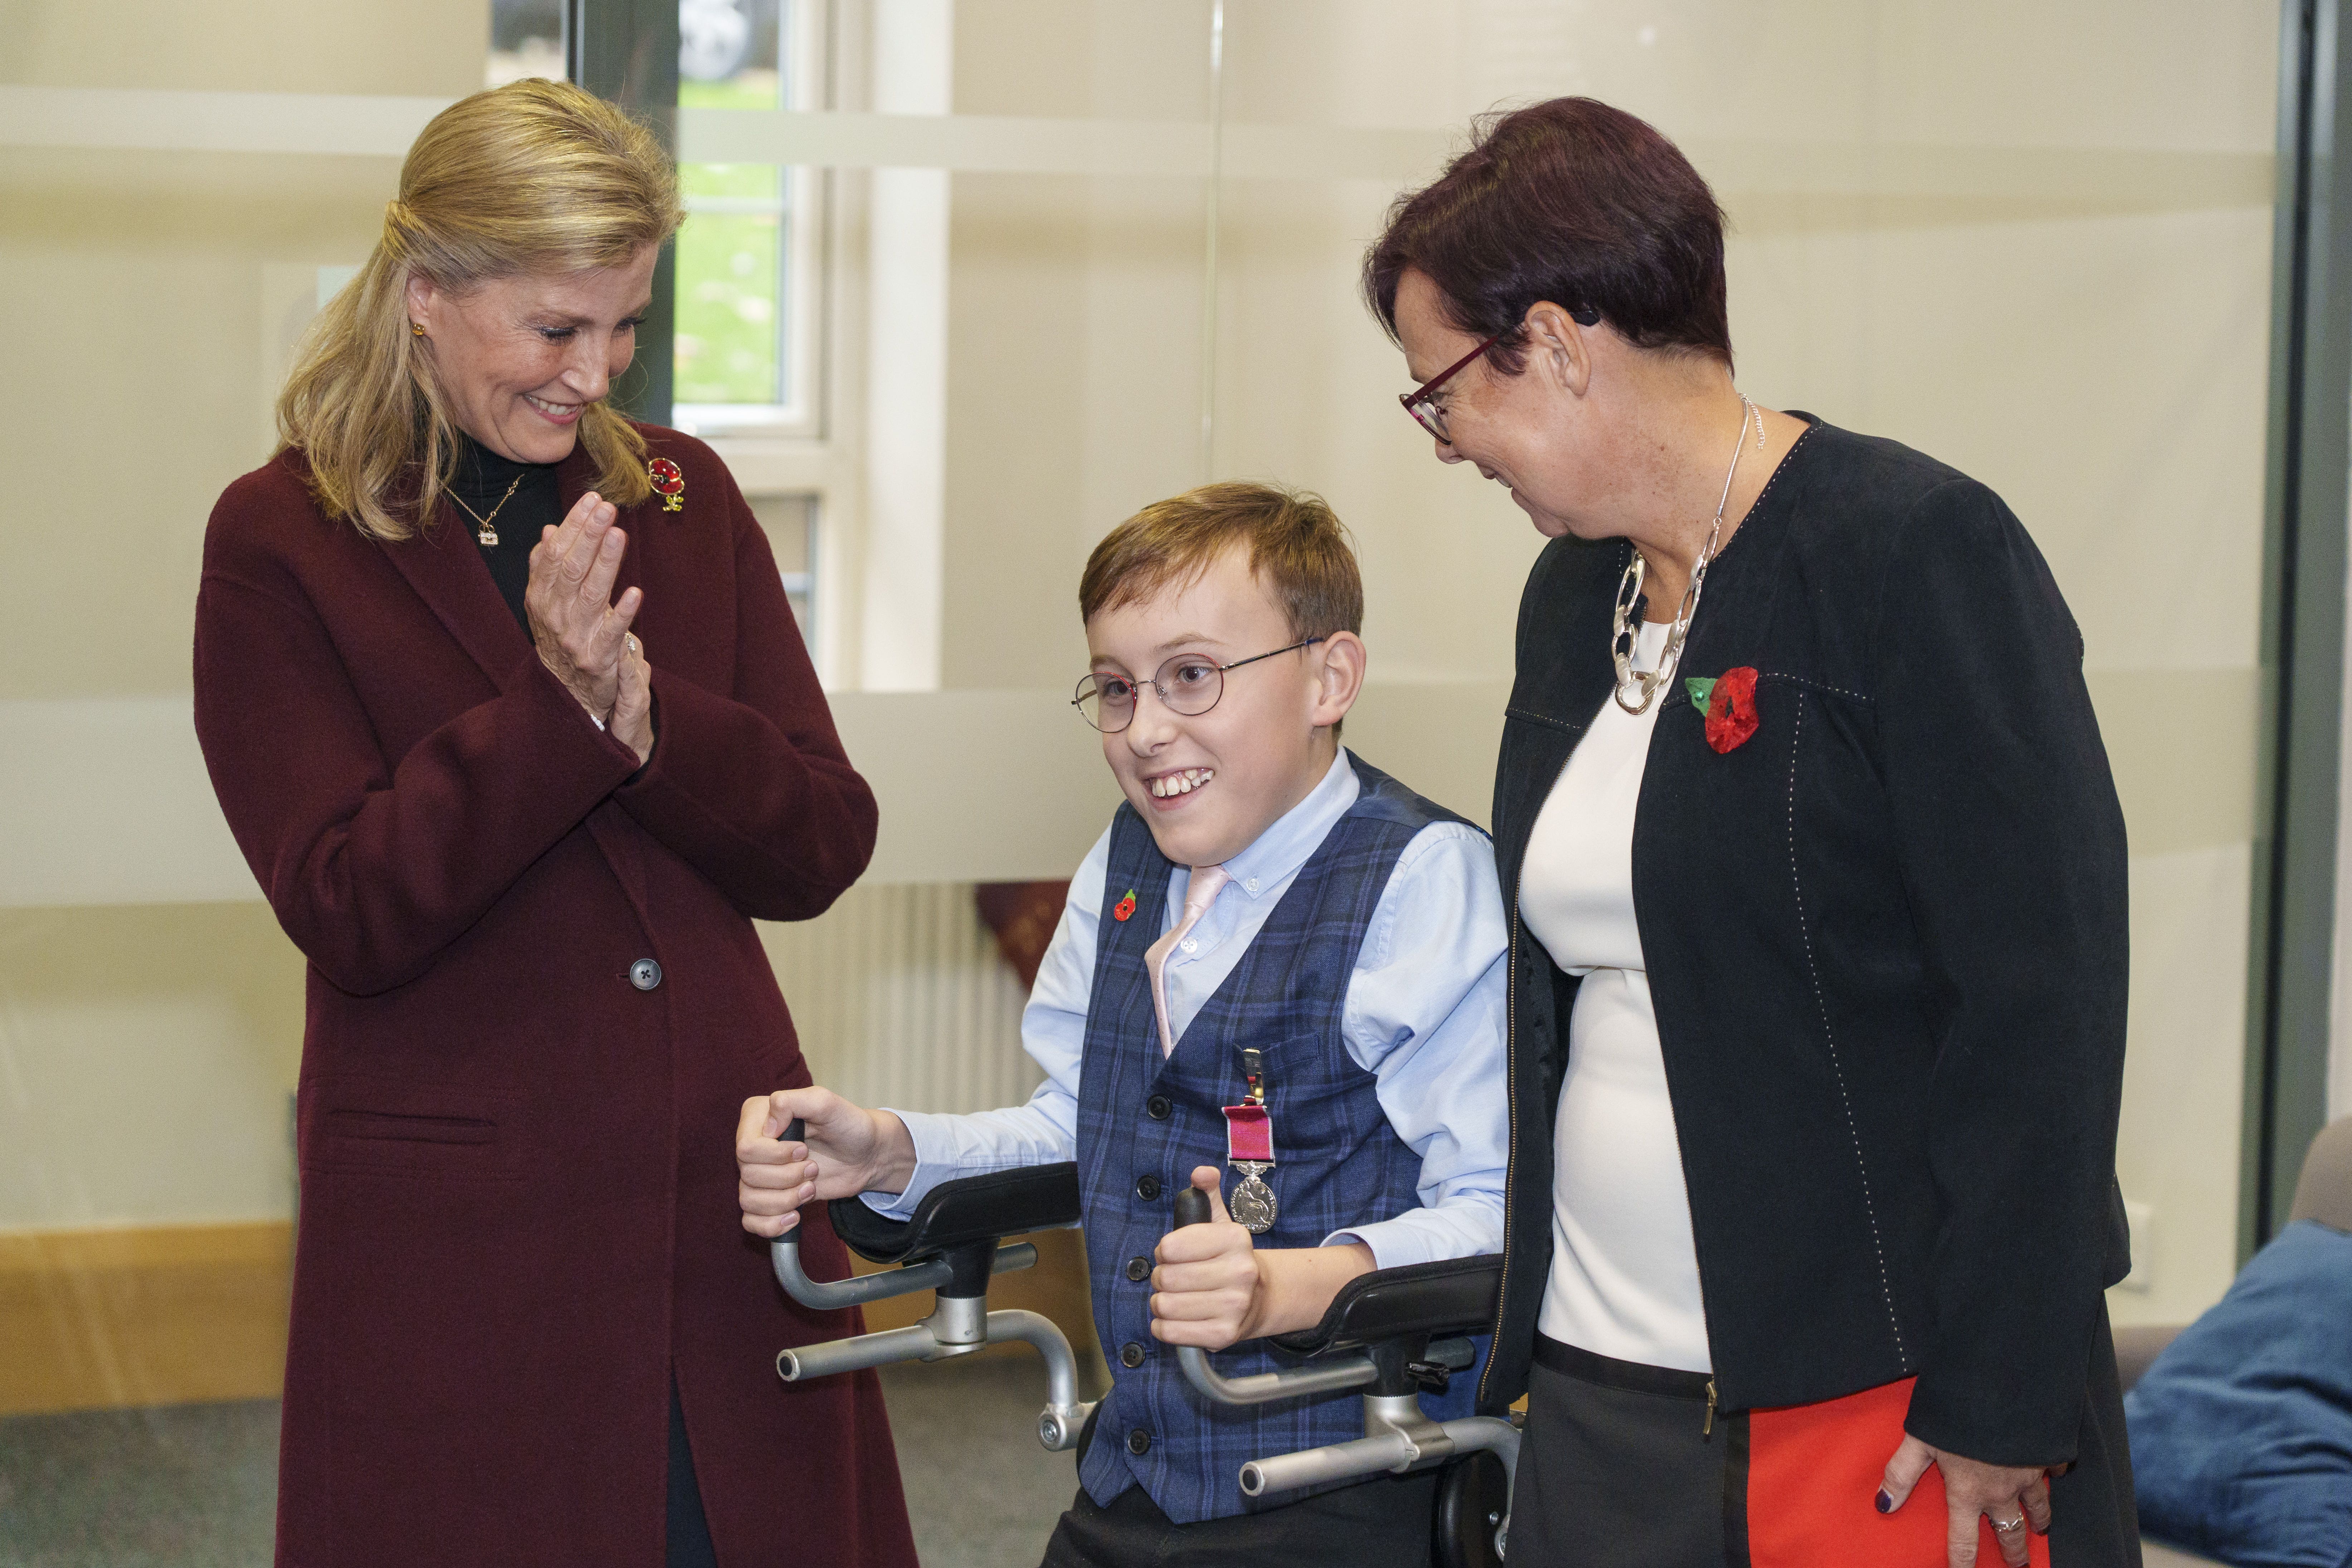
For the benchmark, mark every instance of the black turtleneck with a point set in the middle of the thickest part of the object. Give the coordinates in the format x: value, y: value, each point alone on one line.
x: 481, y: 480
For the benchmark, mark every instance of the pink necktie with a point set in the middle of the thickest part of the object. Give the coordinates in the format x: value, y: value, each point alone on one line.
x: 1199, y: 894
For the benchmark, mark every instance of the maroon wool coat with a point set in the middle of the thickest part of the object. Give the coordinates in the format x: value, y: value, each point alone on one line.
x: 519, y: 1216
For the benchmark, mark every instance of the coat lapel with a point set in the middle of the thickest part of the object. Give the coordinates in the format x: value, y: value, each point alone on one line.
x: 445, y: 567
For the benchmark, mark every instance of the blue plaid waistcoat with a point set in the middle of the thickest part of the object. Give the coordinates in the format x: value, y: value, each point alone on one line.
x: 1145, y: 1121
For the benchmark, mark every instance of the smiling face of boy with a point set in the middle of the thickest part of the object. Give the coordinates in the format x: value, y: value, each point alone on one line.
x: 1210, y: 783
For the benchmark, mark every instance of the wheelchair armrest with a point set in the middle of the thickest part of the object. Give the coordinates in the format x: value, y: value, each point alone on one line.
x: 1459, y: 1296
x: 959, y: 1214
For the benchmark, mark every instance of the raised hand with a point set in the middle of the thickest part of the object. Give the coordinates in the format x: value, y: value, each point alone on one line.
x: 633, y: 708
x: 575, y: 624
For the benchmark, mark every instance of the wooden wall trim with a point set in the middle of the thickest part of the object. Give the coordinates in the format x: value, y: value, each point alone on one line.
x: 156, y: 1315
x: 184, y: 1314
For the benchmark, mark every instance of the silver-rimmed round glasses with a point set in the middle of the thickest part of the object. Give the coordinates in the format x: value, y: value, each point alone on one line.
x: 1189, y: 683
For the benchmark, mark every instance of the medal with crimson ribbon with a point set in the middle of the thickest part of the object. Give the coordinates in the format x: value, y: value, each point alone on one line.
x: 1249, y: 1149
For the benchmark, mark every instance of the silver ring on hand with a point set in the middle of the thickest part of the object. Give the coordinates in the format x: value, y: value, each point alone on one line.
x: 2006, y: 1525
x: 633, y: 642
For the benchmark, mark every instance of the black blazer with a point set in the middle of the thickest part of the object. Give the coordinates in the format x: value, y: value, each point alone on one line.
x: 1887, y: 939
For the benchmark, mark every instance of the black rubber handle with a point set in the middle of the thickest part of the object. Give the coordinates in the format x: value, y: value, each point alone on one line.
x: 1192, y: 1207
x: 796, y: 1134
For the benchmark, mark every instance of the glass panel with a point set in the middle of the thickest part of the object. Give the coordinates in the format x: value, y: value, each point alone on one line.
x: 1037, y: 263
x: 736, y: 256
x: 790, y: 522
x: 1941, y: 232
x: 526, y: 40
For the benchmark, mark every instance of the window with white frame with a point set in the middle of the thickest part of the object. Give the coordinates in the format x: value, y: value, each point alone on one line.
x: 749, y: 255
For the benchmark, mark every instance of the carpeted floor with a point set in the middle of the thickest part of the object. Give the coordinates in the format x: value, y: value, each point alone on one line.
x: 195, y: 1486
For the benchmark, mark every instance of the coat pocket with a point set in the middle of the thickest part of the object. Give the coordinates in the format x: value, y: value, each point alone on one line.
x: 406, y: 1128
x: 395, y: 1128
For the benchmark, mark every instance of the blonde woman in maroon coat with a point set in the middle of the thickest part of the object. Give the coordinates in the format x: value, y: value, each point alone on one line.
x: 504, y: 704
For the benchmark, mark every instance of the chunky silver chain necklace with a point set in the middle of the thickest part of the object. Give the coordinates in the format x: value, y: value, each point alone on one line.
x: 1649, y: 683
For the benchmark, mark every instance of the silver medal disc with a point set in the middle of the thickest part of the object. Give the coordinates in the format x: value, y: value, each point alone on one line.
x: 1252, y: 1204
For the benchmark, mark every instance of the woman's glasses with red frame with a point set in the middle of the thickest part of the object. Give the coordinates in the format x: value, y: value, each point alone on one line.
x: 1421, y: 402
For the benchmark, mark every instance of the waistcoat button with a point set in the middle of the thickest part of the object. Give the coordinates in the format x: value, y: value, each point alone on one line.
x: 1138, y: 1442
x: 1130, y: 1355
x: 1158, y: 1107
x: 1146, y: 1187
x: 1139, y: 1269
x: 645, y: 974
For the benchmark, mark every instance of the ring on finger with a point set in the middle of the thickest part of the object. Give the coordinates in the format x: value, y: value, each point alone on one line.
x: 2006, y: 1525
x: 633, y: 642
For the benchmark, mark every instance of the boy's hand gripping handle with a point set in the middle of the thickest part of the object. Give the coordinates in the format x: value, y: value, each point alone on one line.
x: 785, y: 1254
x: 1192, y: 1208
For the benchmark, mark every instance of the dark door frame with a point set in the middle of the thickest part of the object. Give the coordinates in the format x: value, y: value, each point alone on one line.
x: 2290, y: 977
x: 626, y: 50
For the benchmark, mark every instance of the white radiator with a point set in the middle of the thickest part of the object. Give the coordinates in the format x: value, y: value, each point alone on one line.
x: 902, y: 999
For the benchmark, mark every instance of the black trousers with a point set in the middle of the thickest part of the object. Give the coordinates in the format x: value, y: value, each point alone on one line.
x: 1380, y: 1524
x: 689, y: 1532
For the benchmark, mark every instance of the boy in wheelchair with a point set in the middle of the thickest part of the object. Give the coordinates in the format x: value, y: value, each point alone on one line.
x: 1276, y: 960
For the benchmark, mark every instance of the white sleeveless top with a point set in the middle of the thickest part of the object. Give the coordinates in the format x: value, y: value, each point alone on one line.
x: 1624, y: 1271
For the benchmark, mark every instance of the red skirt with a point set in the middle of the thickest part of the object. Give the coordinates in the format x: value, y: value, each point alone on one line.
x: 1625, y: 1466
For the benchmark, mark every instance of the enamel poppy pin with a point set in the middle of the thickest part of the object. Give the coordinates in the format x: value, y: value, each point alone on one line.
x: 1728, y: 700
x: 1125, y: 907
x: 669, y: 483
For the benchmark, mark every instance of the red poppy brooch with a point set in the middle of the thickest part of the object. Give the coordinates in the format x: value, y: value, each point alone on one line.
x: 1728, y: 700
x: 669, y: 483
x: 1125, y: 907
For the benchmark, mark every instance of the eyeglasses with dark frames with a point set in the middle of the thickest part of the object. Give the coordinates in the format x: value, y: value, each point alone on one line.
x: 1422, y: 401
x: 1189, y: 683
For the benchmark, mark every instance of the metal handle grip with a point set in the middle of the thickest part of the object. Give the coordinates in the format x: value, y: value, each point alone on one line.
x: 1192, y: 1208
x: 832, y: 1296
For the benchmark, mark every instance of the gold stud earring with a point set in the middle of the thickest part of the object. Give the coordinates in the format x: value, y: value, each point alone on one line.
x: 416, y: 329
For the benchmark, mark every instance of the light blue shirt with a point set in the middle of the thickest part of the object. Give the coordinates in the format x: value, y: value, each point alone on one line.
x: 1425, y: 1014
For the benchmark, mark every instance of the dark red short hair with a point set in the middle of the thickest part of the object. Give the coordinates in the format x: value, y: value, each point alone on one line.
x: 1572, y: 201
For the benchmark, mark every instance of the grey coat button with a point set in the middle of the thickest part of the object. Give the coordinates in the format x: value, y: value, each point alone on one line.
x: 1138, y: 1442
x: 645, y: 974
x: 1130, y: 1355
x: 1139, y: 1269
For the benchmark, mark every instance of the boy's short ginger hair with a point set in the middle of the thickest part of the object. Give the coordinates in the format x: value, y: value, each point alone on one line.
x: 1296, y: 544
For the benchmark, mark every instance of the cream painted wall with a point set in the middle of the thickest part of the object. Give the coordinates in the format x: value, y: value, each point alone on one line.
x: 146, y: 1053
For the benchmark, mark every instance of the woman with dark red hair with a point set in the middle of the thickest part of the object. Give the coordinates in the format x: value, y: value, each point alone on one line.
x: 1819, y: 933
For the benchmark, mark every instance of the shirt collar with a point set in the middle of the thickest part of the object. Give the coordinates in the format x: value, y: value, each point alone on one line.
x: 1273, y: 855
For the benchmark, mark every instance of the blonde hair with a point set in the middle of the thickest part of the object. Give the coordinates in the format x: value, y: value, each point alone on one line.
x: 1296, y: 543
x: 535, y: 176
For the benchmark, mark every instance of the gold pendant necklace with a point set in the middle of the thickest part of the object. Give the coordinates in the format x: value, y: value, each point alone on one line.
x: 486, y: 535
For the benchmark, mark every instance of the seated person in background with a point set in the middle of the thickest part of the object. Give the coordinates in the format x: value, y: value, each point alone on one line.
x: 1269, y: 932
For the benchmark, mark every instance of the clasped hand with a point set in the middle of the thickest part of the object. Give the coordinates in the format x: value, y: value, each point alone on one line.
x: 582, y: 633
x: 843, y: 1150
x: 1215, y: 1285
